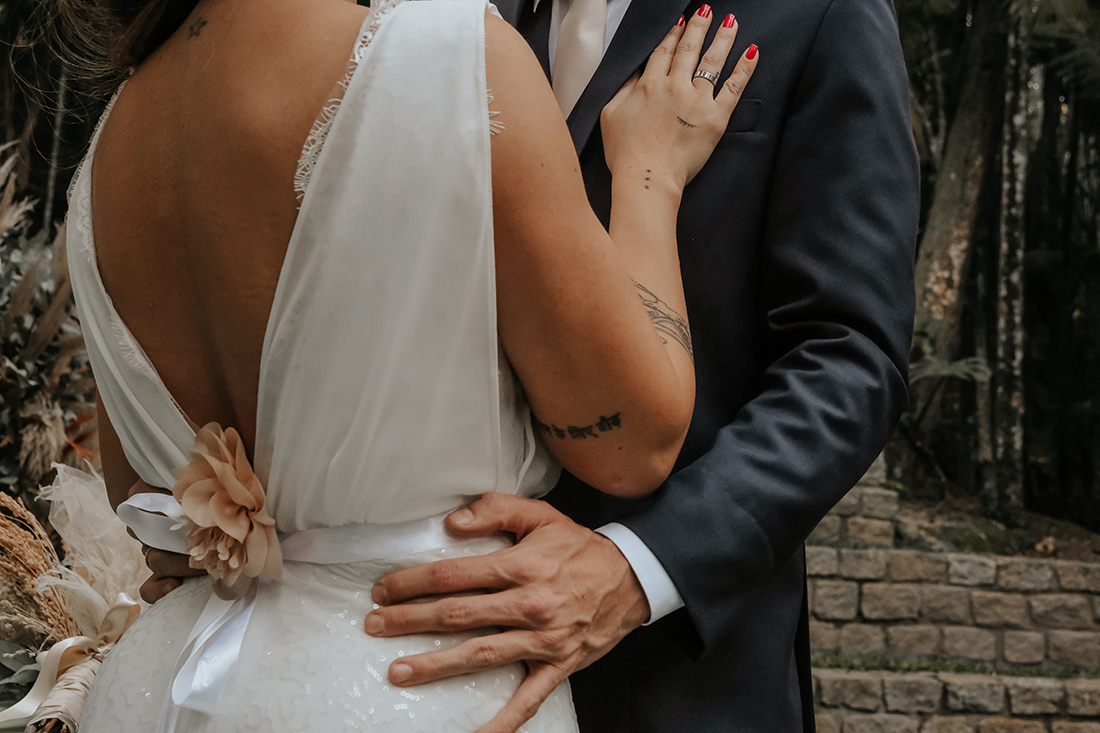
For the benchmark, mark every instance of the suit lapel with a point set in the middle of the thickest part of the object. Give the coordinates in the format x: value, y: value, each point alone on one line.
x: 646, y: 22
x: 509, y: 10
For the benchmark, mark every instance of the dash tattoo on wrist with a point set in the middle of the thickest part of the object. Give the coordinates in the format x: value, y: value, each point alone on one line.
x: 668, y: 322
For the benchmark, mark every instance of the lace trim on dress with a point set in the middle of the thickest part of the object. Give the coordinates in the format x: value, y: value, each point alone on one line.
x: 311, y: 150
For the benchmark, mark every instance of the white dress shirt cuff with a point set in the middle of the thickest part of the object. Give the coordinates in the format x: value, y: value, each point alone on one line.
x: 659, y: 590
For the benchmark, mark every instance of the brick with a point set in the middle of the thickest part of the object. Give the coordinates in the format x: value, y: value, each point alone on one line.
x: 862, y: 564
x: 835, y: 600
x: 1078, y: 576
x: 862, y: 639
x: 827, y: 531
x: 1025, y: 574
x: 1034, y: 695
x: 876, y: 474
x: 916, y: 567
x: 1061, y: 611
x: 1000, y: 610
x: 881, y: 723
x: 879, y: 503
x: 945, y: 604
x: 971, y: 570
x: 912, y: 693
x: 853, y: 690
x: 820, y: 561
x: 945, y: 724
x: 968, y: 642
x: 974, y: 693
x: 1010, y: 725
x: 1024, y: 647
x: 1083, y: 698
x: 866, y: 532
x: 824, y: 637
x: 1063, y: 726
x: 890, y: 601
x: 827, y: 722
x: 1080, y: 649
x: 848, y: 505
x: 914, y: 640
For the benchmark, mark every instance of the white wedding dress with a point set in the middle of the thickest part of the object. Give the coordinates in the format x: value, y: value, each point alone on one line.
x: 384, y: 403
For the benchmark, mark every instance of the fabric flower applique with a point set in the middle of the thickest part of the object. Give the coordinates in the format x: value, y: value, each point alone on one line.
x: 230, y: 535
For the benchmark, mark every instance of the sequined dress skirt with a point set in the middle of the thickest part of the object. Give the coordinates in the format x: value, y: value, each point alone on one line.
x: 307, y: 665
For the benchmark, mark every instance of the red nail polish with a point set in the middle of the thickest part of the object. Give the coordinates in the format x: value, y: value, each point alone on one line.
x: 751, y: 53
x: 680, y: 22
x: 729, y: 21
x: 704, y: 12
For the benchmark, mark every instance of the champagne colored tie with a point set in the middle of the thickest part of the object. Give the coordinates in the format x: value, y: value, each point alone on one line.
x: 580, y: 48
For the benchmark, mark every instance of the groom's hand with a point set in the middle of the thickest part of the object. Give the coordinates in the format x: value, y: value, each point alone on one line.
x: 169, y: 569
x: 563, y: 595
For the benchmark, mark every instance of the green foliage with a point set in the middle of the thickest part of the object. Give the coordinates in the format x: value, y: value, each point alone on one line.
x: 925, y: 363
x: 18, y: 671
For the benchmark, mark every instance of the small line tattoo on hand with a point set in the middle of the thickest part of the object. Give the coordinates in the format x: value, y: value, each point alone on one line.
x: 604, y: 425
x: 667, y: 321
x: 685, y: 123
x: 195, y: 28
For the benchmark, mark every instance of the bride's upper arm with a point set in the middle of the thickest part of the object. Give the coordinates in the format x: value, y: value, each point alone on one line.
x: 118, y: 475
x: 569, y: 316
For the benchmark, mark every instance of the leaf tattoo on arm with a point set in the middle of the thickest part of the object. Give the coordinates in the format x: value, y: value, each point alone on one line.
x: 669, y: 323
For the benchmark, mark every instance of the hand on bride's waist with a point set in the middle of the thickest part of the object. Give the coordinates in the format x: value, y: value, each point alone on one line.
x: 169, y: 569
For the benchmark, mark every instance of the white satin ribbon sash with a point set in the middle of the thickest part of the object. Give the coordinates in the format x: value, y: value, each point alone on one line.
x: 214, y: 644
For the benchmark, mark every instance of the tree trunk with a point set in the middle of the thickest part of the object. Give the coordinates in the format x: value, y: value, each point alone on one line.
x: 1008, y: 396
x: 971, y: 146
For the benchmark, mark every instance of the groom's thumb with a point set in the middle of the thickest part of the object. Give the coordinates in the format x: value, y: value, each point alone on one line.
x: 495, y: 512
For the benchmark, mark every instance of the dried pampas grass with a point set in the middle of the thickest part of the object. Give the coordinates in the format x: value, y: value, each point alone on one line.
x: 27, y: 617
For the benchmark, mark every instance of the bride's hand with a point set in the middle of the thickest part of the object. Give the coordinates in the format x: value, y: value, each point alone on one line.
x: 668, y: 120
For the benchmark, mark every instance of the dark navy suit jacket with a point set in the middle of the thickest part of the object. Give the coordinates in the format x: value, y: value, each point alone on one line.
x: 796, y: 244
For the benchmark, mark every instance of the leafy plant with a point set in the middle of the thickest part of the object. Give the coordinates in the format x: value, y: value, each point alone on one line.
x: 47, y: 410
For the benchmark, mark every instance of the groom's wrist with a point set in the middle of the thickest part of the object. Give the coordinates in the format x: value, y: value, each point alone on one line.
x: 659, y: 590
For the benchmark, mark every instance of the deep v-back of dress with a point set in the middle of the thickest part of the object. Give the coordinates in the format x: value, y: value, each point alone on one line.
x: 383, y: 396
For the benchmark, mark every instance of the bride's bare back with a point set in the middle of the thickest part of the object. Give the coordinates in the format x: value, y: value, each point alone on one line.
x: 193, y: 189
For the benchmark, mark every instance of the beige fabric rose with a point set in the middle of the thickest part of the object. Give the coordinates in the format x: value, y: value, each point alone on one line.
x: 229, y: 532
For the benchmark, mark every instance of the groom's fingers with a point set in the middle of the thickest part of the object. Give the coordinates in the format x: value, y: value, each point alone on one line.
x: 444, y: 577
x: 541, y: 680
x: 443, y: 615
x: 472, y: 655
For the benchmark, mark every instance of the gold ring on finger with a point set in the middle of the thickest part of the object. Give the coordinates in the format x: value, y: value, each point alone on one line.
x: 711, y: 77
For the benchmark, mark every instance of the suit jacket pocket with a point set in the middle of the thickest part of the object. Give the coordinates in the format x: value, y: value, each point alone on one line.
x: 745, y: 116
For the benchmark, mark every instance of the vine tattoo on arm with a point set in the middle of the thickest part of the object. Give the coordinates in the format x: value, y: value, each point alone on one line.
x: 604, y: 425
x: 669, y: 323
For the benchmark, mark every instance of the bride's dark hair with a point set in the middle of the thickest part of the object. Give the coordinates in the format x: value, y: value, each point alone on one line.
x: 103, y: 40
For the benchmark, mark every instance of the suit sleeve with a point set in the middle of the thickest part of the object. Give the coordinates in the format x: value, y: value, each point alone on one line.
x: 838, y: 296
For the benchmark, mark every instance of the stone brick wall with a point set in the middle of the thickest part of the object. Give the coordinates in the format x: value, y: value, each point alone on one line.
x: 887, y: 702
x: 905, y: 603
x: 870, y: 600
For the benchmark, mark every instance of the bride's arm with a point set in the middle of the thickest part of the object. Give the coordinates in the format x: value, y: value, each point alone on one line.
x: 595, y: 324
